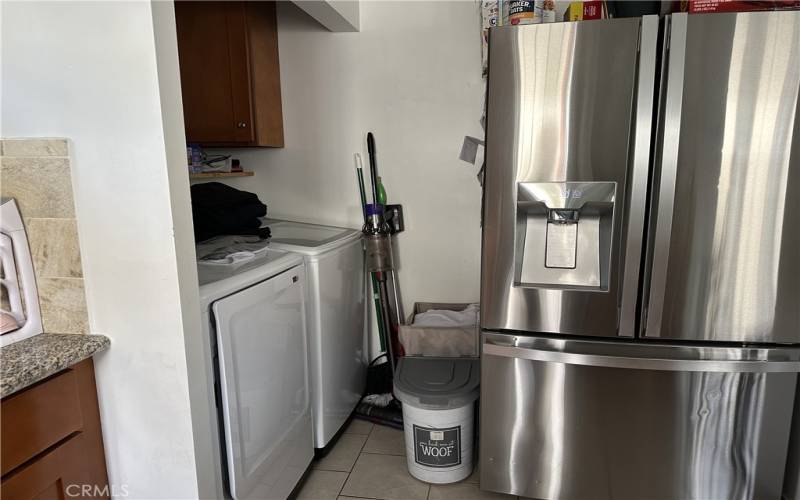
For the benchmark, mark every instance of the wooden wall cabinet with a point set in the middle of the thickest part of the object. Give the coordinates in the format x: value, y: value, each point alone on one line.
x: 52, y: 443
x: 230, y: 76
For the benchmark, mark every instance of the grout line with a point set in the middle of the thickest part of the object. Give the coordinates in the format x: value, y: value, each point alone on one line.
x: 381, y: 454
x: 36, y: 157
x: 341, y: 488
x: 360, y: 454
x: 27, y: 219
x: 58, y: 277
x: 357, y: 434
x: 344, y: 483
x: 361, y: 450
x: 428, y: 494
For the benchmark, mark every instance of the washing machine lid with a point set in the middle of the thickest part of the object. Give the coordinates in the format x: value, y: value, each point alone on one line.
x: 308, y: 239
x: 218, y: 281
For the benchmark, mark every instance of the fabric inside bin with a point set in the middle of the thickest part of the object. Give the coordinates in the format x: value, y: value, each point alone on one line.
x: 446, y: 317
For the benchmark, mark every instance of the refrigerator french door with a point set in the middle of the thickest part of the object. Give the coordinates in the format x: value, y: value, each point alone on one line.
x: 640, y: 257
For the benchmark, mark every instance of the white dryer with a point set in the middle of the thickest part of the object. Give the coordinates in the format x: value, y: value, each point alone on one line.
x: 254, y: 319
x: 334, y: 261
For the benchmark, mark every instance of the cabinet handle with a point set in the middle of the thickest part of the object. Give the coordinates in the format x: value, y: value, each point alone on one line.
x: 241, y: 125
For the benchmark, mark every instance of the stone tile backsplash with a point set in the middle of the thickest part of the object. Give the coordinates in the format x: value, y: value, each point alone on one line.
x: 41, y: 185
x: 54, y: 247
x: 63, y: 304
x: 35, y: 147
x: 36, y: 172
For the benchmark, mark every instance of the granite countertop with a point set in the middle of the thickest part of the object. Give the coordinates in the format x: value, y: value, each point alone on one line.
x: 28, y: 361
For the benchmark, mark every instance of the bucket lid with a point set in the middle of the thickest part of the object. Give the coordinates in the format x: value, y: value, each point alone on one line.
x: 437, y: 383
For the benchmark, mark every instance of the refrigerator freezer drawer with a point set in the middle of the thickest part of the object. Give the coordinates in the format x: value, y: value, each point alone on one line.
x: 556, y: 426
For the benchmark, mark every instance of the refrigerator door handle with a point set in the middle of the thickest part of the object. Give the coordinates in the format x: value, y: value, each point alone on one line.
x: 643, y: 361
x: 665, y: 172
x: 640, y: 159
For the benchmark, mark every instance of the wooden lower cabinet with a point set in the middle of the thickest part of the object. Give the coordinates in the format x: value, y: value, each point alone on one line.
x: 52, y: 444
x: 56, y: 474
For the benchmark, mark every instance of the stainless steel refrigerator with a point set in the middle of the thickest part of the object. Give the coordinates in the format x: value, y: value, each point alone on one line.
x: 641, y: 257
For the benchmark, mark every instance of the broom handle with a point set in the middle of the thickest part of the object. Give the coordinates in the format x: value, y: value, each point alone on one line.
x: 373, y: 169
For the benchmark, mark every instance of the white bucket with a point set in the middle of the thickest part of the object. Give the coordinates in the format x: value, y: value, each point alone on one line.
x: 439, y: 443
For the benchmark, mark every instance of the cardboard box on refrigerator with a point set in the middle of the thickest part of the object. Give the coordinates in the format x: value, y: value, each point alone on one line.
x: 708, y: 6
x: 584, y: 11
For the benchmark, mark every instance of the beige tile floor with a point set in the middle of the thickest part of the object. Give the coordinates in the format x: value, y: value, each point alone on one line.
x: 368, y: 462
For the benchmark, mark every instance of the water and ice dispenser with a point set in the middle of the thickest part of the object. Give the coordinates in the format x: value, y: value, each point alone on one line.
x: 564, y: 234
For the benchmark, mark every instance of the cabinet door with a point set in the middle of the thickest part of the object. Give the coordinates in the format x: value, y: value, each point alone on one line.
x: 215, y: 72
x: 262, y: 28
x: 58, y: 474
x: 38, y: 418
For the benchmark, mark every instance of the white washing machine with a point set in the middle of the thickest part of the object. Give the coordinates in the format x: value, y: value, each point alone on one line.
x: 334, y: 261
x: 254, y: 318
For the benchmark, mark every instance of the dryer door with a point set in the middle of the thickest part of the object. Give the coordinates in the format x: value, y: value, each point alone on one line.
x: 264, y: 387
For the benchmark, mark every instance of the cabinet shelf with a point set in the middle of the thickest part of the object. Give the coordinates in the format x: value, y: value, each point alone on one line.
x: 212, y: 175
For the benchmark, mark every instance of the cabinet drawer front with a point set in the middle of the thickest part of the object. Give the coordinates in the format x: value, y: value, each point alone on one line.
x: 39, y: 417
x: 58, y: 474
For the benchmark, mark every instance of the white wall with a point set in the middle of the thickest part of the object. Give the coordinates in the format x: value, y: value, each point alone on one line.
x: 88, y: 71
x: 412, y: 76
x: 198, y: 349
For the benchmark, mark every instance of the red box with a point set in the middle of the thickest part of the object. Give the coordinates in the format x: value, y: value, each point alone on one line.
x: 592, y: 10
x: 705, y: 6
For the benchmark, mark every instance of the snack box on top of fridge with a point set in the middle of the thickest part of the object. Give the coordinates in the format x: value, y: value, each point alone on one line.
x: 706, y: 6
x: 584, y: 11
x: 515, y: 12
x: 522, y: 12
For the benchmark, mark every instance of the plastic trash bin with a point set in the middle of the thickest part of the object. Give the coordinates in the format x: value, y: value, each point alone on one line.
x: 438, y: 396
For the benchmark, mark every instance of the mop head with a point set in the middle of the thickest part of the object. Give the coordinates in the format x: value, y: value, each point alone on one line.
x: 379, y: 400
x: 378, y: 405
x: 382, y: 409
